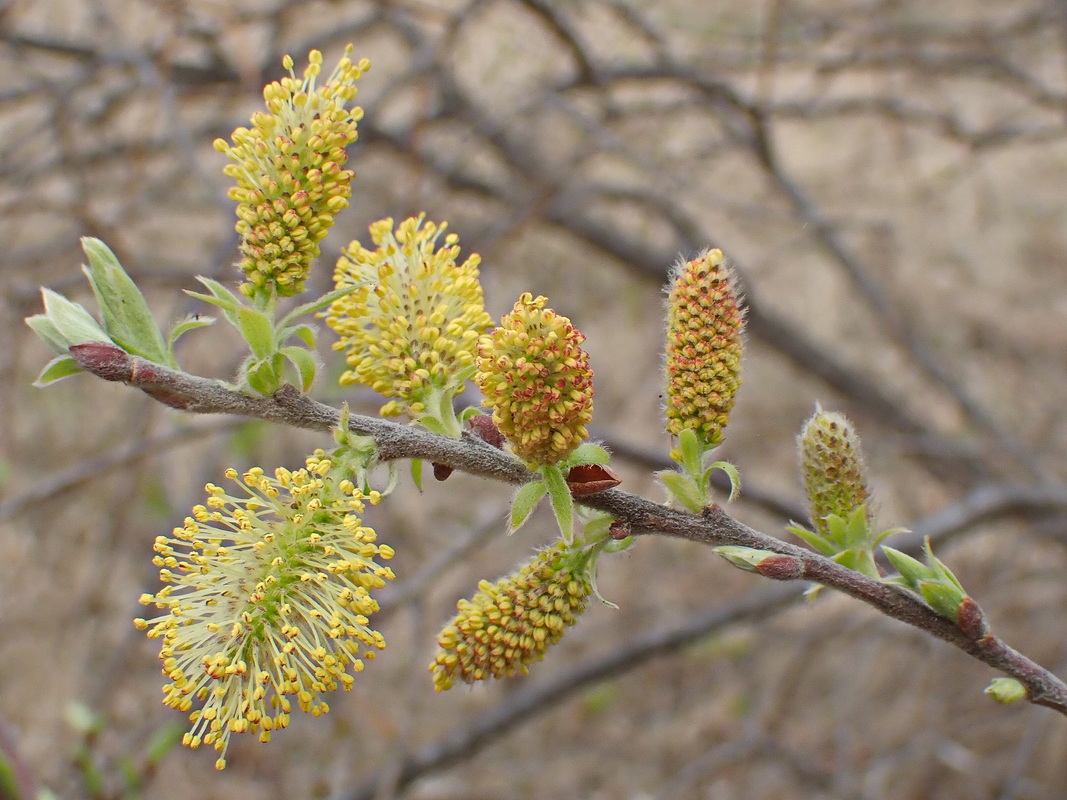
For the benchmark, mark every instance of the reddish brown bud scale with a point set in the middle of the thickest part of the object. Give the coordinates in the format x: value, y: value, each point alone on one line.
x: 104, y: 360
x: 441, y: 471
x: 485, y: 429
x: 781, y: 568
x: 619, y: 529
x: 586, y: 479
x: 971, y: 619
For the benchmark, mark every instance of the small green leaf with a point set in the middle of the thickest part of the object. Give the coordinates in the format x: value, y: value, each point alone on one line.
x: 70, y: 321
x: 911, y: 570
x: 692, y: 452
x: 465, y: 374
x: 860, y: 560
x: 559, y: 494
x: 48, y: 333
x: 746, y: 558
x: 731, y: 473
x: 256, y: 328
x: 304, y: 362
x: 319, y: 303
x: 588, y: 453
x: 127, y: 317
x: 181, y: 328
x: 416, y: 472
x: 263, y: 378
x: 618, y: 545
x: 1006, y: 690
x: 942, y: 598
x: 682, y: 489
x: 526, y: 500
x: 305, y: 333
x: 220, y: 296
x: 57, y: 369
x: 940, y: 568
x: 817, y: 542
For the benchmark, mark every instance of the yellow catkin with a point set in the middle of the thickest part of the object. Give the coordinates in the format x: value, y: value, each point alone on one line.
x: 537, y: 380
x: 705, y: 323
x: 266, y: 601
x: 510, y: 624
x: 413, y: 324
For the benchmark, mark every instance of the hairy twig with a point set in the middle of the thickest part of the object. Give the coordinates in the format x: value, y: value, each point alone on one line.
x: 714, y: 527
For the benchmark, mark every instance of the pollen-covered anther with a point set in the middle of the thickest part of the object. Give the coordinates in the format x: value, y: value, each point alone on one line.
x: 537, y: 380
x: 705, y: 323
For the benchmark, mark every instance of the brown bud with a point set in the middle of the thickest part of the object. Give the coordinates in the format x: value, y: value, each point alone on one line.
x: 485, y: 429
x: 586, y: 479
x: 104, y: 360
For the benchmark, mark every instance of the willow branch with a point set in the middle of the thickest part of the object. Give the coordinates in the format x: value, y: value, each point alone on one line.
x: 642, y: 517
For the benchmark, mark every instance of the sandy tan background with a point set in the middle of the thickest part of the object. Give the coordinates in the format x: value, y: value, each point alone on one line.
x: 887, y: 175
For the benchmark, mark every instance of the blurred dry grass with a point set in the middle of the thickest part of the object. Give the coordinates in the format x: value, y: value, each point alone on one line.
x: 887, y: 175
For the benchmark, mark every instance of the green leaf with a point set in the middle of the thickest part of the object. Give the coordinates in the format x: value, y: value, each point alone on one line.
x: 525, y: 501
x: 940, y: 567
x: 911, y: 570
x: 256, y: 328
x: 319, y: 303
x: 304, y: 362
x: 860, y: 560
x: 305, y: 333
x: 57, y: 369
x: 220, y: 296
x: 942, y: 598
x: 190, y: 323
x: 588, y: 453
x: 746, y: 558
x: 1006, y: 690
x: 682, y: 489
x: 817, y: 542
x: 71, y: 322
x: 692, y: 451
x: 263, y: 378
x: 127, y: 318
x: 48, y: 333
x: 416, y: 472
x: 731, y: 473
x: 559, y: 494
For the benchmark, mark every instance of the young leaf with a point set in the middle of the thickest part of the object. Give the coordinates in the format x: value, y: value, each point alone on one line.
x: 319, y: 303
x: 127, y: 318
x: 416, y: 472
x: 942, y: 598
x: 692, y: 452
x: 588, y: 453
x: 57, y: 369
x: 256, y: 328
x: 48, y: 333
x: 184, y: 326
x: 72, y: 323
x: 220, y: 296
x: 911, y: 570
x: 731, y: 473
x: 682, y: 489
x: 559, y: 494
x: 304, y: 362
x: 525, y: 502
x: 264, y: 378
x: 817, y: 542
